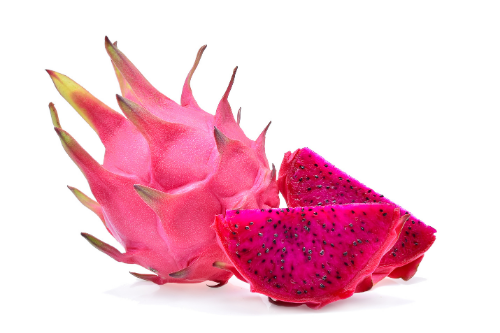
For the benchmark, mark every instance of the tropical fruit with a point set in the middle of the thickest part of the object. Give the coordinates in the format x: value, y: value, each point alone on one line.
x: 168, y: 170
x: 309, y: 255
x: 307, y: 179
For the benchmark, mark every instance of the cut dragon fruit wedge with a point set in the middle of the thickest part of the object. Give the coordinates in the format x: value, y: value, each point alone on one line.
x: 309, y: 255
x: 307, y: 179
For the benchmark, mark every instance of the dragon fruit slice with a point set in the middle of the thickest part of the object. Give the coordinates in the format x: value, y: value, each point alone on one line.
x: 168, y: 170
x: 309, y: 255
x: 307, y: 179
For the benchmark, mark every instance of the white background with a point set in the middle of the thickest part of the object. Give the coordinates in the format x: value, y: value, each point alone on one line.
x: 402, y: 95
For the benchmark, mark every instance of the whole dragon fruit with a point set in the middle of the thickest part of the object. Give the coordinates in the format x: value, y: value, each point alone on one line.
x: 168, y: 170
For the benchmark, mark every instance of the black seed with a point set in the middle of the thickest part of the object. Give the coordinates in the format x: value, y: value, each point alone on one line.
x: 251, y: 223
x: 352, y: 230
x: 249, y: 261
x: 384, y: 214
x: 237, y: 212
x: 315, y: 165
x: 308, y: 188
x: 413, y: 222
x: 316, y: 176
x: 332, y: 245
x: 299, y: 292
x: 236, y: 226
x: 284, y: 249
x: 267, y: 250
x: 274, y: 241
x: 346, y: 264
x: 247, y: 227
x: 350, y: 224
x: 345, y: 253
x: 320, y: 186
x: 321, y: 285
x: 300, y: 179
x: 269, y: 220
x: 259, y: 254
x: 234, y: 233
x: 260, y: 234
x: 324, y: 277
x: 393, y: 254
x: 310, y: 251
x: 309, y: 257
x: 302, y: 167
x: 354, y: 243
x: 303, y: 249
x: 321, y: 252
x: 255, y: 272
x: 362, y: 228
x: 359, y: 241
x: 326, y: 165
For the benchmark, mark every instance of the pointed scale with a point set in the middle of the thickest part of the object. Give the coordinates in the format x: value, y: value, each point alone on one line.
x: 237, y: 170
x: 180, y: 222
x: 127, y: 152
x: 187, y: 98
x: 260, y: 146
x: 150, y: 98
x: 224, y: 118
x: 88, y: 202
x: 125, y: 88
x: 180, y: 154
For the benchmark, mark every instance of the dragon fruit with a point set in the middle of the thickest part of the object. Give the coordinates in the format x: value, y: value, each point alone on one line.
x: 309, y: 255
x: 168, y: 170
x: 307, y: 179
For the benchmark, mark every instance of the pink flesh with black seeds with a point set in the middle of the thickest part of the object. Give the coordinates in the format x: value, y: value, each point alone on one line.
x: 307, y: 179
x: 311, y: 255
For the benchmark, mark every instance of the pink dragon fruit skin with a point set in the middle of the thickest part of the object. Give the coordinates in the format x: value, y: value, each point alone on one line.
x: 168, y: 170
x: 305, y: 178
